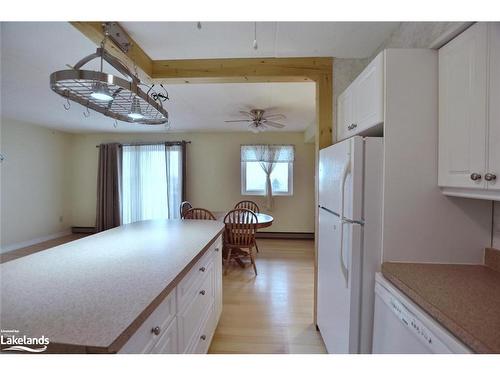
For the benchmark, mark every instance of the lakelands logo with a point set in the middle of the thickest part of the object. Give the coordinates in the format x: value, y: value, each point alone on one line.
x: 10, y: 340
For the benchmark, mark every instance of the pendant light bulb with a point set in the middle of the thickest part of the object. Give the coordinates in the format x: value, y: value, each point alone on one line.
x: 101, y: 92
x: 255, y: 45
x: 135, y: 110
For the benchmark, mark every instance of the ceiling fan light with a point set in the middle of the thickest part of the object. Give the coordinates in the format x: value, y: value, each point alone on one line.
x: 135, y: 110
x: 101, y: 92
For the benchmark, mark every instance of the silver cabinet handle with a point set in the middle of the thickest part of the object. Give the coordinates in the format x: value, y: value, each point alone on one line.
x: 156, y: 330
x: 202, y: 292
x: 203, y: 337
x: 490, y: 177
x: 202, y: 269
x: 475, y: 176
x: 352, y: 126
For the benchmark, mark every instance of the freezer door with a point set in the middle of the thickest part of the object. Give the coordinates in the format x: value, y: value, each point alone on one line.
x: 341, y: 178
x: 339, y: 283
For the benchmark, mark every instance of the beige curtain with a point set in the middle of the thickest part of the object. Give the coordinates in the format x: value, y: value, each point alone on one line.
x: 109, y: 186
x: 268, y: 156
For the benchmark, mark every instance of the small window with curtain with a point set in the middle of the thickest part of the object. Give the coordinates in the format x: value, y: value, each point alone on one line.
x: 267, y: 170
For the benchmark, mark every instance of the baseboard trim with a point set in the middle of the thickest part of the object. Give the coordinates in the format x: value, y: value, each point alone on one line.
x: 86, y: 230
x: 34, y: 241
x: 286, y: 235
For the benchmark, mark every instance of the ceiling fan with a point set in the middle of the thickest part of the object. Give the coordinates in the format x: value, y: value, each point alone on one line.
x: 259, y: 121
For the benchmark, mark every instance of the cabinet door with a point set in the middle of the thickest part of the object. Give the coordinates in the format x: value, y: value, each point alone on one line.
x: 369, y: 96
x: 462, y: 109
x: 344, y: 114
x: 494, y: 107
x: 218, y: 279
x: 167, y: 343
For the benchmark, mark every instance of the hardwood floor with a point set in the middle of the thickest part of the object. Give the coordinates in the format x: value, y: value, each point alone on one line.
x: 18, y: 253
x: 273, y: 311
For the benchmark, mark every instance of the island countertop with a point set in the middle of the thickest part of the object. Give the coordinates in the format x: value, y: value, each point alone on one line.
x: 90, y: 294
x: 465, y: 299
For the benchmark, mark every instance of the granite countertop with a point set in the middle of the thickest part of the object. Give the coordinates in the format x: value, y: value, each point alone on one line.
x: 87, y: 294
x: 465, y: 299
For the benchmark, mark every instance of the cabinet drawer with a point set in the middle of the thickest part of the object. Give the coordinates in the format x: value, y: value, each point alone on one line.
x: 167, y: 343
x: 196, y: 274
x: 151, y: 330
x: 195, y: 313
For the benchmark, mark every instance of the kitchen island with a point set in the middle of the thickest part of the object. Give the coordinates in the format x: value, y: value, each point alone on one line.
x: 151, y: 286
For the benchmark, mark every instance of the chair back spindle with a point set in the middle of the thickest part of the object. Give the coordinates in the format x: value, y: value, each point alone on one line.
x: 198, y: 214
x: 249, y: 205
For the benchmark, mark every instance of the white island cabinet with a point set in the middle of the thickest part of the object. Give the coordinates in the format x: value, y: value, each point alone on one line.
x: 469, y: 113
x: 147, y: 287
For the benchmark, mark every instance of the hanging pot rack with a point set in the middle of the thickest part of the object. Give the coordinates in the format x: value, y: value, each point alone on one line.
x: 129, y: 102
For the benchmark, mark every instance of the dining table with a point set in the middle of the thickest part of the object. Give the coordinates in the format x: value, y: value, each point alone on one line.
x: 263, y: 220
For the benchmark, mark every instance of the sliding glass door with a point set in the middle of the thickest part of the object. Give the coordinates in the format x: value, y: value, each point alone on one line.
x: 151, y: 182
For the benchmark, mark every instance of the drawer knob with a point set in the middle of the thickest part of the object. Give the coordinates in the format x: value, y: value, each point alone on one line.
x: 203, y: 337
x: 216, y: 249
x: 202, y: 292
x: 202, y: 269
x: 352, y: 126
x: 490, y: 177
x: 475, y: 176
x: 156, y: 330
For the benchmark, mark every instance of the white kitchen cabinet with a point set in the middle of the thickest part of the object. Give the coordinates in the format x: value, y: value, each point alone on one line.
x: 360, y: 108
x: 469, y: 118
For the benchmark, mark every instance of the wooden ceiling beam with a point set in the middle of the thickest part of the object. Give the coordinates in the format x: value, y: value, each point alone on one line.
x: 296, y: 69
x: 136, y: 55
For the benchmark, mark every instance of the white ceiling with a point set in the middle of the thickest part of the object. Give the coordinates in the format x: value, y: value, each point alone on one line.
x: 183, y: 40
x: 31, y: 51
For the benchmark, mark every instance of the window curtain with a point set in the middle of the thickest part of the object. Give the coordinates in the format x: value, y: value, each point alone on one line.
x: 109, y: 187
x: 268, y: 156
x: 152, y: 182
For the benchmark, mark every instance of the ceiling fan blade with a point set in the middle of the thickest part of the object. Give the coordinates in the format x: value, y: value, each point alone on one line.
x: 275, y: 116
x: 274, y: 124
x: 246, y: 113
x: 238, y: 121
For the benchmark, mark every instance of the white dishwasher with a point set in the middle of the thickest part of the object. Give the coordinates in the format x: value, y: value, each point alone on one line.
x: 401, y: 327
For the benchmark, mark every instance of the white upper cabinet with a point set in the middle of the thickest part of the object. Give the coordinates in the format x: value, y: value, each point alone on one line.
x: 494, y: 109
x: 361, y: 106
x: 469, y: 126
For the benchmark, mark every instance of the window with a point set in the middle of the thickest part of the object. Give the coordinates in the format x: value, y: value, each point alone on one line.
x: 151, y: 182
x: 256, y: 160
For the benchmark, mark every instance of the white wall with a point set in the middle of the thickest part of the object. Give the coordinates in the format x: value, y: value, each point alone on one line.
x: 213, y: 174
x: 35, y: 182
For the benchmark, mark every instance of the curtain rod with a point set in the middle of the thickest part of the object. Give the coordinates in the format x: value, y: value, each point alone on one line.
x: 176, y: 143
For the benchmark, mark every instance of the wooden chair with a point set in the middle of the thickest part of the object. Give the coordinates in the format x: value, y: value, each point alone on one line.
x: 252, y: 206
x: 184, y: 207
x: 198, y: 214
x: 249, y: 205
x: 239, y: 235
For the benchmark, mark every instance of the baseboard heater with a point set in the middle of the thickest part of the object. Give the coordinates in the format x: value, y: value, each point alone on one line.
x: 277, y: 235
x: 84, y: 230
x: 286, y: 235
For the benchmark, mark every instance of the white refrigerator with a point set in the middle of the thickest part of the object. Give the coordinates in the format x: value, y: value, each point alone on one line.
x: 349, y: 242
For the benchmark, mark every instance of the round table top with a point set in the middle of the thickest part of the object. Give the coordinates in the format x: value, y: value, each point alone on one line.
x: 263, y: 220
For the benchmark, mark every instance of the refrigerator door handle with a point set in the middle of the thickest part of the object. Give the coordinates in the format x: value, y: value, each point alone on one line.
x: 343, y: 266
